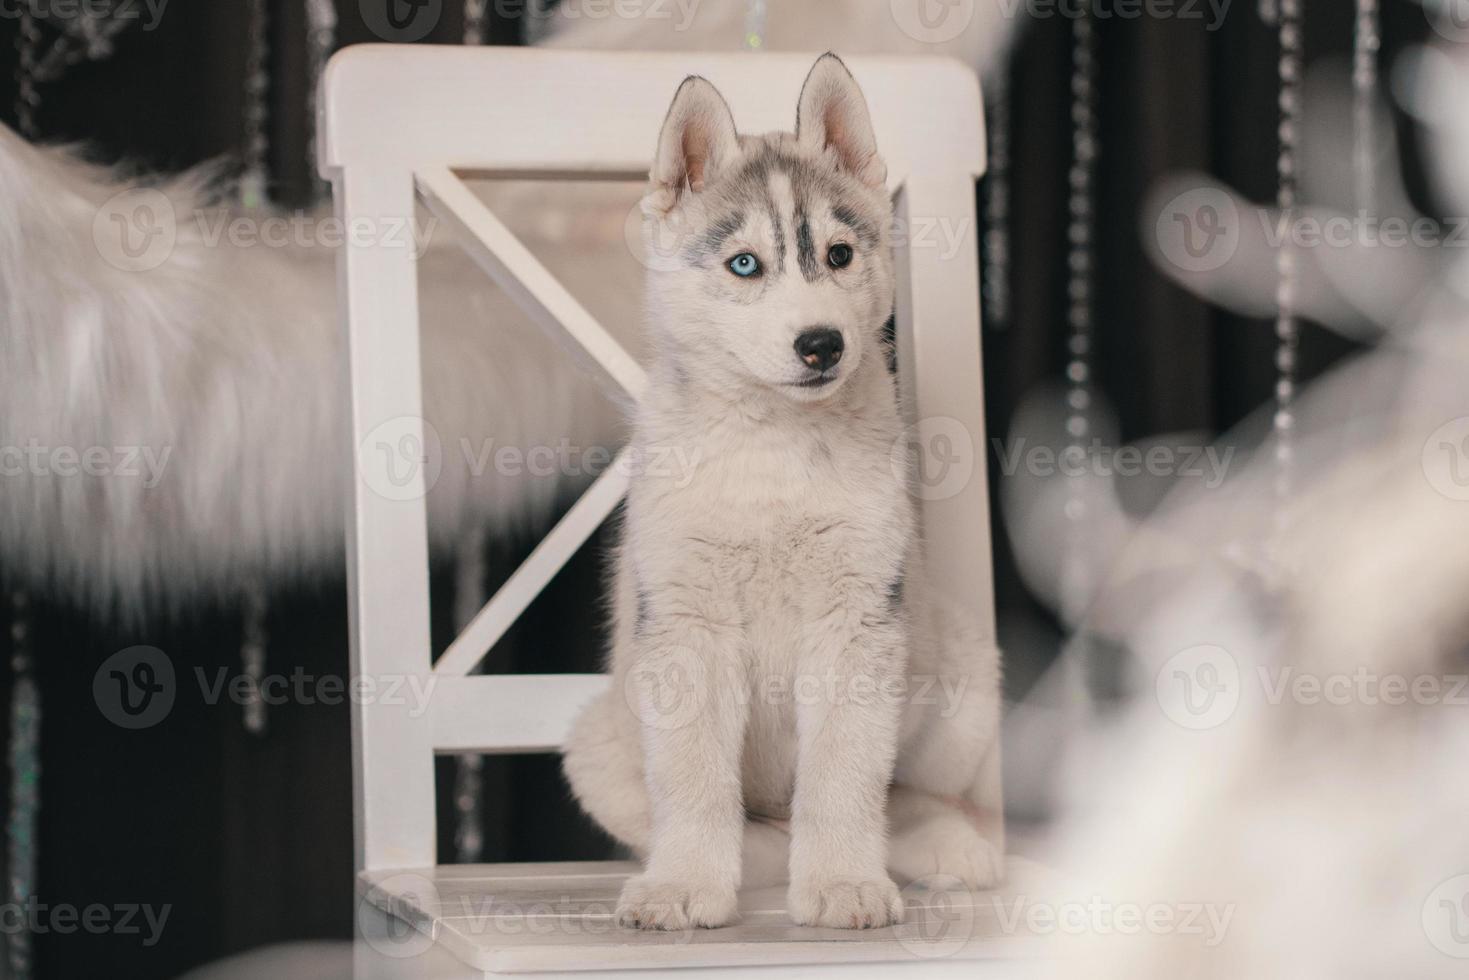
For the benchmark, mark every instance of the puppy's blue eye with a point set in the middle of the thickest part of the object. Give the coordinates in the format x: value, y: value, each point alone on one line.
x: 744, y: 265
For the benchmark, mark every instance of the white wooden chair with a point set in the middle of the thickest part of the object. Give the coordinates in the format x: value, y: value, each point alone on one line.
x: 398, y: 127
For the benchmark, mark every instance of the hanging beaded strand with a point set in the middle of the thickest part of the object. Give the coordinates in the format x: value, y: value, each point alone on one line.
x: 1075, y: 582
x: 254, y: 193
x: 255, y: 179
x: 1366, y: 43
x: 27, y: 94
x: 996, y: 292
x: 252, y: 657
x: 24, y: 751
x: 85, y: 34
x: 474, y: 22
x: 1287, y: 329
x: 469, y: 598
x: 321, y: 41
x: 25, y: 784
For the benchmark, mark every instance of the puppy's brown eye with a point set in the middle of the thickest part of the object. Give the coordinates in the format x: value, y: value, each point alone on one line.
x: 839, y: 256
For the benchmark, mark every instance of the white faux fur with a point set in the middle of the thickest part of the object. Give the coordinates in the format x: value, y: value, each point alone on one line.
x: 224, y: 367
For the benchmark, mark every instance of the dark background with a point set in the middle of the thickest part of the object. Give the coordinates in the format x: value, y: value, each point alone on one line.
x: 249, y: 838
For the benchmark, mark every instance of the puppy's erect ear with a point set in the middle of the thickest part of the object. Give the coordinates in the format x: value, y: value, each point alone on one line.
x: 697, y: 145
x: 833, y: 116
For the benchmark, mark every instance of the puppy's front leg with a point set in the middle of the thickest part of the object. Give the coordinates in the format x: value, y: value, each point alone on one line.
x: 848, y: 740
x: 687, y: 686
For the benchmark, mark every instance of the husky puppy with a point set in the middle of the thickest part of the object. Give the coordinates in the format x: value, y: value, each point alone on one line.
x: 770, y: 628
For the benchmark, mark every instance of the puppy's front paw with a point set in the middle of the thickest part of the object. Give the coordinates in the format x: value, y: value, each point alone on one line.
x: 673, y: 904
x: 846, y: 903
x: 946, y: 846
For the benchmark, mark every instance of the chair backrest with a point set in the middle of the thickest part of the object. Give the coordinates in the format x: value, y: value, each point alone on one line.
x: 398, y: 126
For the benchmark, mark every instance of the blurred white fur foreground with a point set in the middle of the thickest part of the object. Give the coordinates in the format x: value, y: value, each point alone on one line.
x: 178, y: 432
x: 1291, y: 755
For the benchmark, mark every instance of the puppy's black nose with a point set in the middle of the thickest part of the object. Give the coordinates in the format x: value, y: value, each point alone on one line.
x: 820, y: 347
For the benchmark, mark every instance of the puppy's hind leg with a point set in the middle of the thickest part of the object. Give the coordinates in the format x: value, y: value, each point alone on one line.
x: 941, y: 809
x: 939, y: 836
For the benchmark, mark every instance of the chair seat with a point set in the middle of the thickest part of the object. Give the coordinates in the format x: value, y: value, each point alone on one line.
x: 527, y: 918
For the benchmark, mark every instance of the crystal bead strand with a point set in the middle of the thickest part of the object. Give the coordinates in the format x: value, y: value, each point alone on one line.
x: 997, y: 203
x: 254, y: 190
x: 1367, y: 41
x: 27, y: 94
x: 321, y: 40
x: 24, y: 753
x: 255, y: 181
x: 469, y: 597
x: 1076, y: 584
x: 469, y: 789
x: 252, y: 657
x: 1287, y: 329
x: 25, y: 785
x: 474, y: 22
